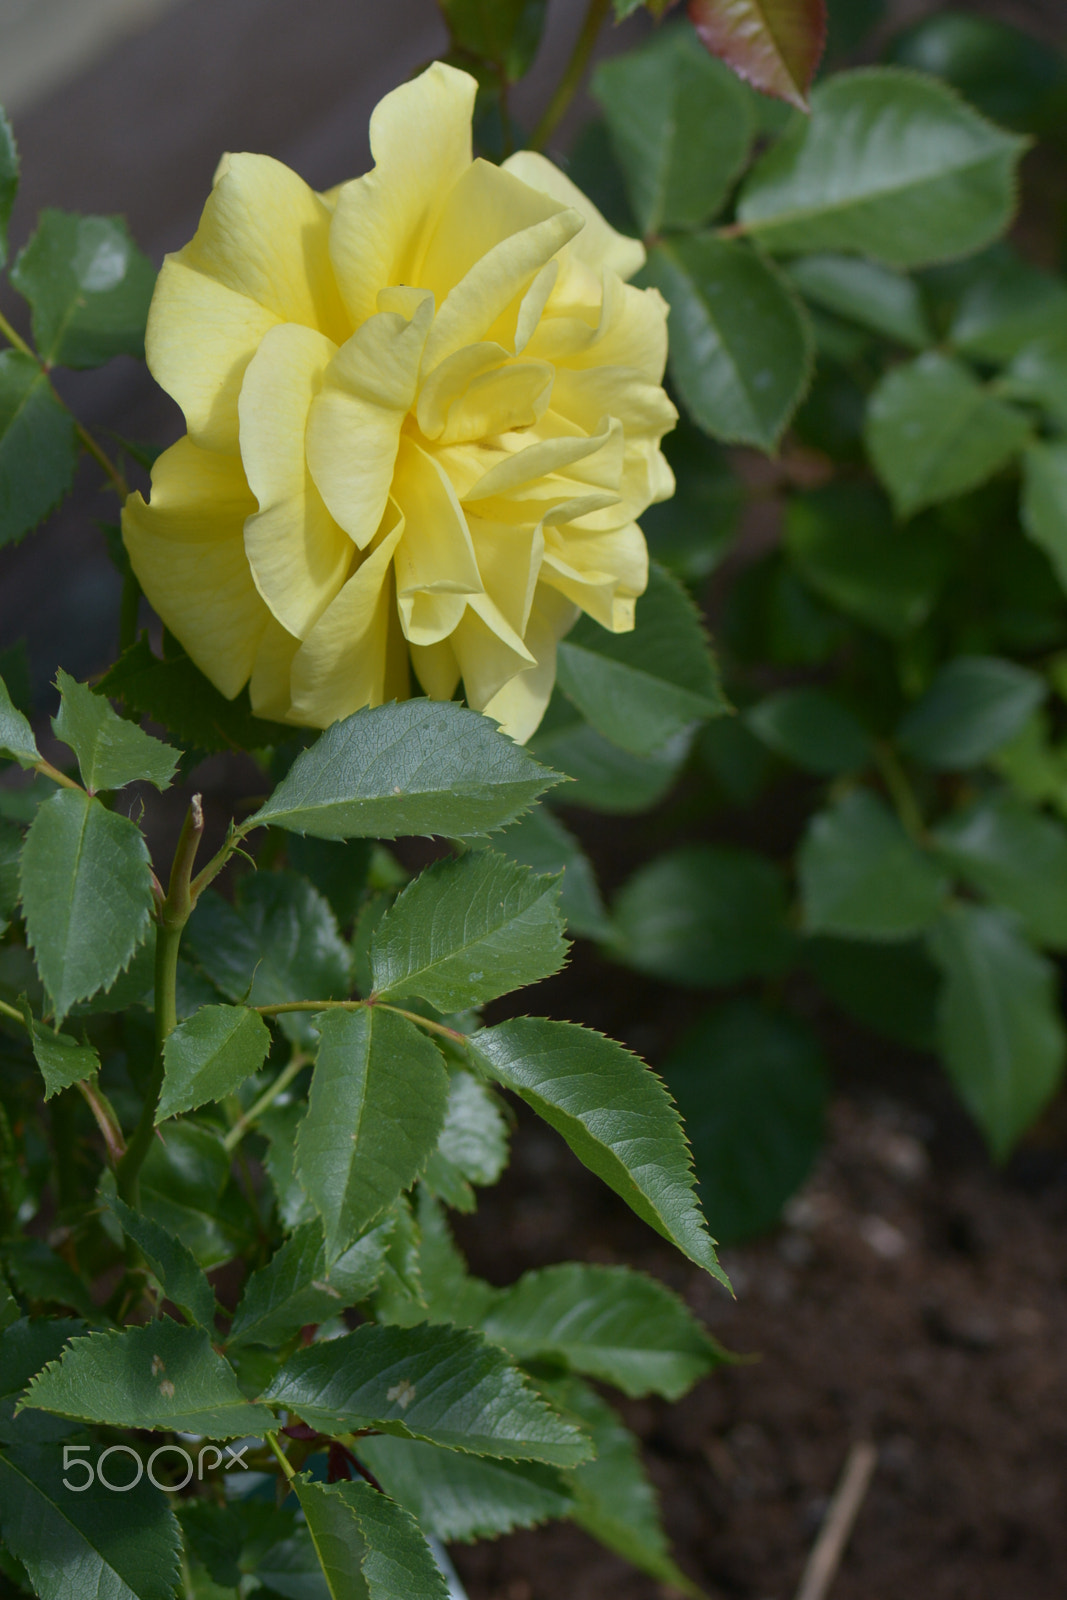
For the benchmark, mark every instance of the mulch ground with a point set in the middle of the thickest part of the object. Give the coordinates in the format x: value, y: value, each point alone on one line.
x: 912, y: 1296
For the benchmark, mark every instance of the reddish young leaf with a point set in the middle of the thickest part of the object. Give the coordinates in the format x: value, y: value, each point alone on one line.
x: 774, y: 44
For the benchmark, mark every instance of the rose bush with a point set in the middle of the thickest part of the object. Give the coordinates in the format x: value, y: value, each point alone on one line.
x: 424, y: 414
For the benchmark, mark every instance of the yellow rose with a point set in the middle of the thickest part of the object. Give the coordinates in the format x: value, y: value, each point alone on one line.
x: 424, y: 414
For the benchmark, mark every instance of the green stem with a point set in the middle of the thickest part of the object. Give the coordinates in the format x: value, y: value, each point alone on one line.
x: 47, y: 770
x: 87, y: 440
x: 266, y: 1100
x: 573, y: 74
x: 15, y: 1016
x: 900, y: 790
x: 174, y: 914
x: 284, y: 1006
x: 272, y: 1440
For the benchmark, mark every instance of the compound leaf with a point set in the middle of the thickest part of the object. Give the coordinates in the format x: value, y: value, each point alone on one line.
x: 368, y: 1547
x: 111, y: 752
x: 296, y: 1287
x: 890, y: 165
x: 89, y: 288
x: 162, y: 1375
x: 614, y: 1113
x: 466, y: 931
x: 86, y: 893
x: 974, y: 705
x: 209, y: 1055
x: 38, y: 446
x: 171, y: 1262
x: 448, y: 1386
x: 421, y: 767
x: 375, y: 1111
x: 861, y: 875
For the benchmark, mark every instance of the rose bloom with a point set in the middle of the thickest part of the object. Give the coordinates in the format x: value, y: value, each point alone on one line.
x: 423, y: 413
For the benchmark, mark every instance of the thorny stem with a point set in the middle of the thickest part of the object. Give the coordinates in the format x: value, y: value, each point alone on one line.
x: 89, y: 443
x: 174, y: 914
x: 574, y: 72
x: 296, y: 1065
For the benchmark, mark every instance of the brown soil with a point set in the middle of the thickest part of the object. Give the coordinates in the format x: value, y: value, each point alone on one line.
x: 913, y: 1297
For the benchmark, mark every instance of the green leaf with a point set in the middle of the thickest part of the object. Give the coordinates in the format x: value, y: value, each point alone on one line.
x: 459, y: 1498
x: 1044, y: 502
x: 1005, y: 304
x: 891, y: 988
x: 692, y: 532
x: 209, y: 1055
x: 1015, y: 857
x: 296, y: 1287
x: 375, y: 1111
x: 506, y: 33
x: 448, y: 1386
x: 110, y: 752
x: 610, y: 1323
x: 774, y: 44
x: 812, y: 729
x: 162, y: 1375
x: 39, y: 1274
x: 176, y: 694
x: 16, y: 735
x: 1000, y: 1028
x: 182, y: 1183
x: 111, y: 1546
x: 662, y: 103
x: 740, y: 343
x: 62, y: 1060
x: 873, y: 296
x: 339, y: 868
x: 368, y: 1547
x: 752, y: 1087
x: 279, y: 941
x: 890, y: 165
x: 974, y: 705
x: 421, y: 767
x: 279, y: 1127
x: 26, y: 1345
x: 539, y: 840
x: 606, y: 778
x: 641, y: 688
x: 86, y: 894
x: 9, y: 181
x: 845, y: 545
x: 615, y: 1501
x: 89, y: 287
x: 473, y: 1146
x: 1038, y: 372
x: 38, y: 446
x: 171, y: 1263
x: 934, y: 432
x: 466, y: 931
x: 614, y: 1113
x: 1012, y: 76
x: 861, y: 876
x: 703, y: 915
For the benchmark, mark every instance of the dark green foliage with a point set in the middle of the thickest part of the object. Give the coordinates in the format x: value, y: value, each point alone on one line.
x: 89, y: 287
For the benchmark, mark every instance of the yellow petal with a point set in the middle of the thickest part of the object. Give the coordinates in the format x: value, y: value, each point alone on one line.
x: 343, y: 664
x: 266, y: 235
x: 436, y: 668
x: 298, y: 555
x: 509, y: 560
x: 598, y: 245
x: 450, y: 380
x: 603, y: 573
x: 493, y: 240
x: 520, y: 704
x: 515, y: 396
x: 594, y: 459
x: 354, y: 422
x: 200, y: 338
x: 585, y: 397
x: 269, y: 686
x: 436, y: 555
x: 420, y: 138
x: 187, y: 550
x: 486, y: 661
